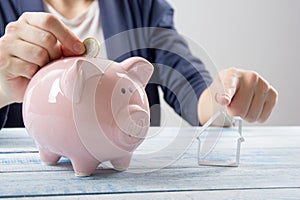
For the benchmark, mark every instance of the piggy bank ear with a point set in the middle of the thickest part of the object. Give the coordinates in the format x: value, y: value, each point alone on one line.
x: 138, y: 68
x: 75, y: 78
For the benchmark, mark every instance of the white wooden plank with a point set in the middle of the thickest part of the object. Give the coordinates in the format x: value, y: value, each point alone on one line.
x: 285, y: 193
x: 251, y: 155
x: 259, y: 137
x: 165, y: 180
x: 269, y: 160
x: 13, y: 133
x: 16, y: 140
x: 279, y: 157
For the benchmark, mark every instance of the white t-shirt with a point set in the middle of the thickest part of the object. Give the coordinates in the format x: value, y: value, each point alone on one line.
x: 86, y: 25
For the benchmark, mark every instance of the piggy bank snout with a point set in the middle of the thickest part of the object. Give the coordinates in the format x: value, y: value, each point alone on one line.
x: 134, y: 121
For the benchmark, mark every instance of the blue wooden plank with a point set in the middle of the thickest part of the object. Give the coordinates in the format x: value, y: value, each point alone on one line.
x: 165, y: 180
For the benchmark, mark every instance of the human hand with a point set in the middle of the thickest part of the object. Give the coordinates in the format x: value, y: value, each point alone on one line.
x: 243, y: 93
x: 29, y: 43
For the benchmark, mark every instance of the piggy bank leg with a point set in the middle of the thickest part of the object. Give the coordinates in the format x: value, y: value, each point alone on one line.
x: 121, y: 164
x: 48, y: 158
x: 84, y: 166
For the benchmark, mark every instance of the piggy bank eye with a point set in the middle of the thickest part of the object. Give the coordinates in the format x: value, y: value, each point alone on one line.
x: 123, y: 90
x: 130, y: 90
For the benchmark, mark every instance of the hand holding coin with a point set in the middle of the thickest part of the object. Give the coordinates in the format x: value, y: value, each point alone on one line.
x: 92, y: 47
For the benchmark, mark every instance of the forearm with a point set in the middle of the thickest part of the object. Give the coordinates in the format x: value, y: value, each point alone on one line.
x: 205, y: 107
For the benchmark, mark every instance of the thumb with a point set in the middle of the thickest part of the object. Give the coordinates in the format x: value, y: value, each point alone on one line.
x: 225, y: 96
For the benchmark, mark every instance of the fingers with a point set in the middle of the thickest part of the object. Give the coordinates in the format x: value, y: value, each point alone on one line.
x: 270, y: 103
x: 28, y: 44
x: 255, y: 98
x: 246, y: 94
x: 29, y: 52
x: 21, y: 68
x: 42, y: 38
x: 51, y: 24
x: 36, y: 37
x: 241, y: 101
x: 25, y: 47
x: 258, y: 100
x: 14, y: 78
x: 11, y: 63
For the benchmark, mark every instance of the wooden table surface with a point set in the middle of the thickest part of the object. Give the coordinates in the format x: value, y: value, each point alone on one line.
x: 269, y: 169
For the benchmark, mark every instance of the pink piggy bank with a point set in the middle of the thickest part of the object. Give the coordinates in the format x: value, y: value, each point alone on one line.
x: 89, y: 110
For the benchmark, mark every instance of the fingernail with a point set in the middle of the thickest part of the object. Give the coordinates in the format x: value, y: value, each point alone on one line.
x: 222, y: 99
x: 79, y: 48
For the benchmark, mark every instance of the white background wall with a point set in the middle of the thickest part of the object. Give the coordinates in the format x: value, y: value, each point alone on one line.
x: 261, y: 35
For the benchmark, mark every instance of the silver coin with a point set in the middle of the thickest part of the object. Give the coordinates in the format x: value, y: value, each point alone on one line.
x: 92, y: 47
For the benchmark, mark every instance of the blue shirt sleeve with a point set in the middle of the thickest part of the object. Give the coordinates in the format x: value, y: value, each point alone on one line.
x: 146, y: 29
x: 182, y: 76
x: 3, y: 115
